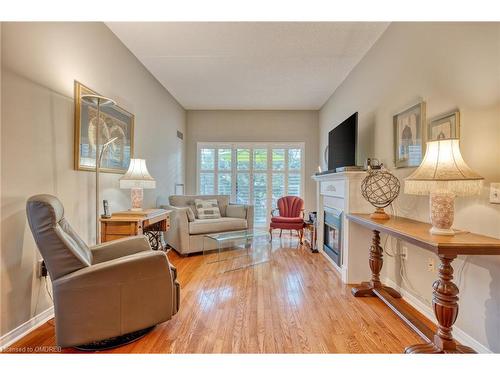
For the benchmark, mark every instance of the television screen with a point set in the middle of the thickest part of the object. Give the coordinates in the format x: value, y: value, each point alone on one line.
x: 342, y: 144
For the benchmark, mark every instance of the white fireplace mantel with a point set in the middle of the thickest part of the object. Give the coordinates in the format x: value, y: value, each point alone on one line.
x: 342, y: 191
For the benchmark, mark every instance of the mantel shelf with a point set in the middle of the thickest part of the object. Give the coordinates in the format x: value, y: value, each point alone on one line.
x: 338, y: 175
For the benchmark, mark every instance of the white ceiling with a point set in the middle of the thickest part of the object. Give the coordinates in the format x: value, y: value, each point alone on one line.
x: 249, y: 65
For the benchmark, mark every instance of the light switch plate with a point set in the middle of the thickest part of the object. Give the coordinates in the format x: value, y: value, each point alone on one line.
x: 495, y: 192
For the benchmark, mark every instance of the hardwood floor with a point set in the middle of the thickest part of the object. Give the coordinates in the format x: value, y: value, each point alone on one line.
x: 295, y: 303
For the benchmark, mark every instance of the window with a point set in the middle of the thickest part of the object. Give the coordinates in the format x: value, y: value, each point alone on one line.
x: 257, y: 174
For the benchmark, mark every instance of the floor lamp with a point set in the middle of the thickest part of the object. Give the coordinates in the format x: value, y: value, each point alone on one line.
x: 98, y: 101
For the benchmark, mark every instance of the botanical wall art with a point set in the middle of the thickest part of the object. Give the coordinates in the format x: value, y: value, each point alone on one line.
x: 408, y: 126
x: 114, y: 122
x: 444, y: 127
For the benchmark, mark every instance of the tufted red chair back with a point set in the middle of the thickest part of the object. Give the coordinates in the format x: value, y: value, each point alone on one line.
x: 290, y: 206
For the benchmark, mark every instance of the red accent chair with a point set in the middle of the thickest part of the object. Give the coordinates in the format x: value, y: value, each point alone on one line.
x: 291, y: 216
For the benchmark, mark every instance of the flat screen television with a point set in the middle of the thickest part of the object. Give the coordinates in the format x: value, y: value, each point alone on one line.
x: 342, y: 144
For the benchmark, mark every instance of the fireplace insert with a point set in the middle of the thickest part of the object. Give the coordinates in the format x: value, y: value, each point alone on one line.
x: 332, y: 244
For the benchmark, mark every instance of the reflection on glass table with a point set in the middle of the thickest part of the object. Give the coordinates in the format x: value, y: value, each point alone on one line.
x: 237, y: 249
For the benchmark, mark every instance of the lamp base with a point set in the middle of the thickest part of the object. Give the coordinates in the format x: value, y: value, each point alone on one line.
x: 136, y: 196
x: 442, y: 209
x: 442, y: 232
x: 379, y: 214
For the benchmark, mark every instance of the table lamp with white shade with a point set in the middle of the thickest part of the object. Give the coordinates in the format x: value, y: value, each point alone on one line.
x: 443, y: 175
x: 137, y: 178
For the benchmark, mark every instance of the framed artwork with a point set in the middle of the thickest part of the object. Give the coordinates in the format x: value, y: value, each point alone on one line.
x: 114, y: 122
x: 444, y: 127
x: 408, y: 128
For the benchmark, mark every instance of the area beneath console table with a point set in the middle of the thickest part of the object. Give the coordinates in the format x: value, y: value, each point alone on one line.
x: 445, y: 294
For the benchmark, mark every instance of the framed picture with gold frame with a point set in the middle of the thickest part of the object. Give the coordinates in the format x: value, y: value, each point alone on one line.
x: 408, y: 136
x: 445, y: 126
x: 115, y: 122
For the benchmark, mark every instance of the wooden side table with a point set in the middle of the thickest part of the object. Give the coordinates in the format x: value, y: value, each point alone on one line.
x: 150, y: 222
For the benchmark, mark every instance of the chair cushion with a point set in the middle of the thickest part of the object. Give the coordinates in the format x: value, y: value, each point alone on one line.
x: 223, y: 224
x: 290, y: 220
x: 207, y: 208
x: 296, y: 226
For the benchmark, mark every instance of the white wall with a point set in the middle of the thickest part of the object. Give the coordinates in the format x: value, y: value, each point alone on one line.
x: 40, y: 61
x: 448, y: 65
x: 254, y: 126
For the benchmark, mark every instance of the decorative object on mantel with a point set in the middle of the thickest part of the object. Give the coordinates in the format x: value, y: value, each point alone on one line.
x: 380, y: 188
x: 408, y: 126
x: 372, y: 163
x: 446, y: 126
x: 443, y: 174
x: 137, y: 178
x: 114, y: 122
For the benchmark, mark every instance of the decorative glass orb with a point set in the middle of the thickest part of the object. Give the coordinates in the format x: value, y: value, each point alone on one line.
x: 380, y: 188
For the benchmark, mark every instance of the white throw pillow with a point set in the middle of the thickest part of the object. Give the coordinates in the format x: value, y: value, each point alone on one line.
x: 207, y: 209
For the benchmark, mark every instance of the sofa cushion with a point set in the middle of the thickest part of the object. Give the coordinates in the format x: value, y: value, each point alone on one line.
x: 207, y: 208
x: 237, y: 210
x: 223, y: 224
x: 188, y: 201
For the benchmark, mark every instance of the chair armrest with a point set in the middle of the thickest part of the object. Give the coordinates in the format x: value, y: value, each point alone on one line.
x: 178, y: 234
x: 180, y: 211
x: 174, y: 270
x: 131, y: 269
x: 250, y: 214
x: 119, y: 248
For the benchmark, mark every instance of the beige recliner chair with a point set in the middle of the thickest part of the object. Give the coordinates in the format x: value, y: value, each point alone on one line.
x: 104, y: 291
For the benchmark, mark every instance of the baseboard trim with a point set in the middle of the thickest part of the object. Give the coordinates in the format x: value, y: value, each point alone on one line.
x: 19, y: 332
x: 427, y: 311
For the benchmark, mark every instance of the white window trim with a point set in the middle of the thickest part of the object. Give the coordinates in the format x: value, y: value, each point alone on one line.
x: 251, y: 145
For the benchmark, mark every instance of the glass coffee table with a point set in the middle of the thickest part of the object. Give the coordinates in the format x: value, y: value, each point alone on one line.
x: 234, y: 250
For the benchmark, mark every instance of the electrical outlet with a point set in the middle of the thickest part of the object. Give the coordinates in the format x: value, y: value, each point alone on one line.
x: 41, y: 270
x: 404, y: 253
x: 431, y: 265
x: 495, y: 192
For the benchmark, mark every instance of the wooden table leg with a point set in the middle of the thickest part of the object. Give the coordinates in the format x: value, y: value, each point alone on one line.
x: 376, y: 261
x: 445, y: 305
